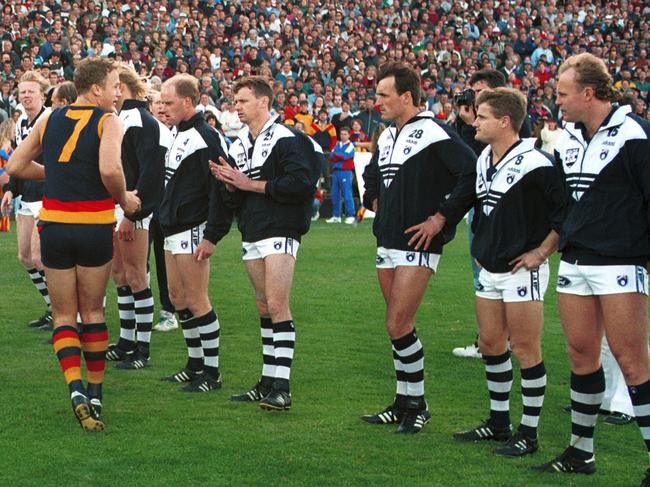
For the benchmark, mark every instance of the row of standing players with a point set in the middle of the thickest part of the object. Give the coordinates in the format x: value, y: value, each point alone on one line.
x: 590, y: 200
x: 421, y: 181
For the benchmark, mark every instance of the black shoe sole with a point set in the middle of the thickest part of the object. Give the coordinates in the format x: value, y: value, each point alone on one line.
x: 378, y: 422
x: 215, y: 387
x: 272, y: 407
x: 122, y: 365
x: 400, y: 431
x: 172, y: 379
x: 243, y: 398
x: 513, y: 455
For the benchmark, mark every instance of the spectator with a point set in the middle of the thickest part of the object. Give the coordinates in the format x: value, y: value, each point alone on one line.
x: 369, y: 117
x: 212, y: 121
x: 318, y: 201
x: 324, y: 133
x: 229, y: 120
x: 343, y: 117
x: 285, y: 74
x: 549, y: 134
x: 342, y: 171
x: 205, y: 106
x: 538, y: 111
x: 359, y: 137
x: 292, y: 109
x: 7, y: 131
x: 303, y: 116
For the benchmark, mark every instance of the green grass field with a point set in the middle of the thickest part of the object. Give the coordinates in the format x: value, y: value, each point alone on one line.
x: 343, y: 368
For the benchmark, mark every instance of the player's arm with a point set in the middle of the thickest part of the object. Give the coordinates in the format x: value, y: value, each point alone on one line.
x: 230, y: 196
x: 110, y: 165
x: 21, y: 163
x: 460, y: 160
x: 537, y: 256
x: 301, y: 161
x: 220, y: 216
x: 371, y: 181
x: 549, y: 180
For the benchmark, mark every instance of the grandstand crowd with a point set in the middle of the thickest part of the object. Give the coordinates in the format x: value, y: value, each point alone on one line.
x: 327, y: 53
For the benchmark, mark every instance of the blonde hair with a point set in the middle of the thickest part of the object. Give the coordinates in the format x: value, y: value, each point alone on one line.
x: 130, y: 78
x: 505, y: 102
x: 591, y: 71
x: 7, y: 131
x: 36, y: 77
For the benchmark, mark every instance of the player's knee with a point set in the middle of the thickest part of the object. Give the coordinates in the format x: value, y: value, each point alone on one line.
x: 527, y: 353
x: 262, y: 308
x: 136, y: 278
x: 634, y: 368
x: 118, y: 277
x: 64, y: 317
x: 198, y: 304
x: 92, y: 316
x: 177, y: 297
x: 276, y: 307
x: 491, y: 345
x: 583, y: 356
x: 397, y: 330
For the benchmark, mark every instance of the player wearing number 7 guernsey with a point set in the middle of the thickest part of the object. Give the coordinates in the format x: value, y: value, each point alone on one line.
x: 416, y: 177
x: 83, y: 176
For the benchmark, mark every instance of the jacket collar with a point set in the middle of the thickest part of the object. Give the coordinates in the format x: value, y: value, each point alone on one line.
x: 196, y: 119
x: 129, y: 104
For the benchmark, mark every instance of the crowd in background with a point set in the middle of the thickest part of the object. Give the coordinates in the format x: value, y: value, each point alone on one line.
x: 323, y: 55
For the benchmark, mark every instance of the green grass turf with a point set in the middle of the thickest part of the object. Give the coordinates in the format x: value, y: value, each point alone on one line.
x: 343, y: 368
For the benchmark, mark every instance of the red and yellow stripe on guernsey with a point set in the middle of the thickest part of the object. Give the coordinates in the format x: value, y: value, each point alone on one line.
x: 102, y: 211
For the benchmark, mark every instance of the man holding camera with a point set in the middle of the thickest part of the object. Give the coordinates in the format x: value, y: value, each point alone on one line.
x: 465, y: 101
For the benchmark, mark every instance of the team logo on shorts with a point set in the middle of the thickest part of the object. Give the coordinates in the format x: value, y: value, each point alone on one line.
x: 410, y: 256
x: 510, y: 178
x: 265, y: 153
x: 603, y: 155
x: 571, y: 156
x: 622, y: 281
x: 277, y: 245
x: 563, y: 281
x: 184, y: 244
x: 522, y: 291
x: 379, y: 260
x: 479, y: 286
x: 244, y: 251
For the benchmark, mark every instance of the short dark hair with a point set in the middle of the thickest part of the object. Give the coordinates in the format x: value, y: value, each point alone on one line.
x: 406, y: 79
x: 92, y: 71
x: 258, y: 85
x: 66, y: 91
x: 346, y: 128
x: 505, y: 102
x: 492, y: 77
